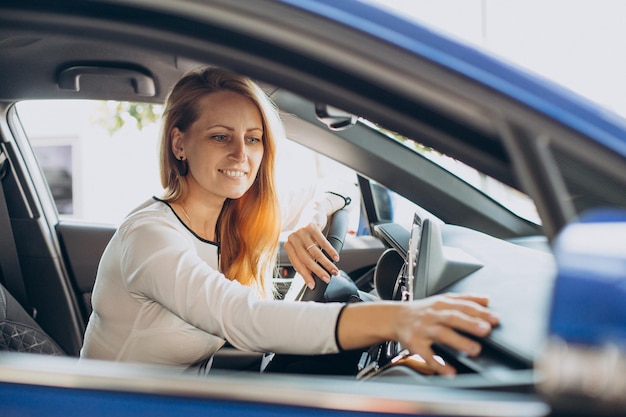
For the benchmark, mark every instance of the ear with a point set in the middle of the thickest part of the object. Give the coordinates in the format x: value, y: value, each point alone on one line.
x: 176, y: 143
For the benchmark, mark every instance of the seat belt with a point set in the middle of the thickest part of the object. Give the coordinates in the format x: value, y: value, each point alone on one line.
x: 10, y: 268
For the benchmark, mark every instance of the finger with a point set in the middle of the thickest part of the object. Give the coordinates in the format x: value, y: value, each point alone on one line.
x: 293, y: 245
x: 328, y: 248
x: 478, y: 299
x: 479, y: 312
x: 301, y: 251
x: 319, y: 238
x: 463, y: 322
x: 299, y: 266
x: 442, y: 368
x: 315, y: 268
x: 323, y: 261
x: 484, y: 313
x: 468, y: 305
x: 308, y: 279
x: 449, y: 337
x: 306, y: 276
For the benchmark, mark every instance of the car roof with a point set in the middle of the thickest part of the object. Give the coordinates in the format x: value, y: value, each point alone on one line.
x: 538, y: 93
x: 25, y: 80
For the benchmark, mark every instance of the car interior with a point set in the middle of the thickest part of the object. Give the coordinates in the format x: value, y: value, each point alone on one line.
x: 459, y: 240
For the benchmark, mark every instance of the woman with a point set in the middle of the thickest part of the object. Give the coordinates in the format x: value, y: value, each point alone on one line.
x: 186, y: 272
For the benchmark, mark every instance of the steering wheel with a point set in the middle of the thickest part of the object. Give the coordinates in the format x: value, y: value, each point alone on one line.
x: 336, y: 232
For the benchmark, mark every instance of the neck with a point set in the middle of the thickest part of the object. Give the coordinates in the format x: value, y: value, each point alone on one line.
x: 201, y: 219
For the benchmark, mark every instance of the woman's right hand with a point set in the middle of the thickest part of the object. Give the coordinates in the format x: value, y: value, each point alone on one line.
x: 443, y: 319
x: 416, y: 325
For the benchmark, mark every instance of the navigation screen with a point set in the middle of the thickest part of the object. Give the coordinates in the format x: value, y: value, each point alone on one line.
x: 411, y: 259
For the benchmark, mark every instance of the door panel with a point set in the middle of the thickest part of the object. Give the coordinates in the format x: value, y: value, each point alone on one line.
x: 82, y: 246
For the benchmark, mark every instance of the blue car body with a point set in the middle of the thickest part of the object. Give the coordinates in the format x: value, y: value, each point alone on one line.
x: 543, y: 96
x: 112, y: 389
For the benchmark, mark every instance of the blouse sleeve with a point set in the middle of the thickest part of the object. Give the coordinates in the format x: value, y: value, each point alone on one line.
x: 161, y: 264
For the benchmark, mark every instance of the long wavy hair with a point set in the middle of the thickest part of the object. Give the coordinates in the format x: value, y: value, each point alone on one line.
x: 248, y: 228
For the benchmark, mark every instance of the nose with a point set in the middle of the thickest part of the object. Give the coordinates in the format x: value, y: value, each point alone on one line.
x: 238, y: 150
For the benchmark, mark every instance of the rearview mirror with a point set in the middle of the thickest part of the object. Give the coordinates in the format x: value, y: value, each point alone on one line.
x: 334, y: 118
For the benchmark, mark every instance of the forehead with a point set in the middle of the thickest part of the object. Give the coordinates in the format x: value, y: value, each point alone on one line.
x: 227, y: 104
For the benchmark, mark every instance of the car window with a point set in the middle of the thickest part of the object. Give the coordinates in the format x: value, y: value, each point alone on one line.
x: 514, y: 200
x: 76, y: 140
x: 403, y: 211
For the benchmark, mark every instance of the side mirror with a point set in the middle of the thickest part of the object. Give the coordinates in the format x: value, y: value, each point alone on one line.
x: 583, y: 366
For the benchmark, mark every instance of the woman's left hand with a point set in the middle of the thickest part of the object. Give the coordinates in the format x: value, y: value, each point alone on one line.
x: 304, y: 248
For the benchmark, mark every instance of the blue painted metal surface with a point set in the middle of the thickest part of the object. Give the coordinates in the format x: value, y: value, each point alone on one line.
x: 35, y: 401
x: 544, y: 96
x: 588, y: 301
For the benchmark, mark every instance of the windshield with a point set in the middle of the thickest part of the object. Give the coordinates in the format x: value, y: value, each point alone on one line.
x: 514, y: 200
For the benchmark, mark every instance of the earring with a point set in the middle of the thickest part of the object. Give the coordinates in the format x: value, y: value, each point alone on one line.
x: 183, y: 166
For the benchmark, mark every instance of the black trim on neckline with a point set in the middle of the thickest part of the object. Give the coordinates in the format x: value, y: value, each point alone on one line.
x: 187, y: 227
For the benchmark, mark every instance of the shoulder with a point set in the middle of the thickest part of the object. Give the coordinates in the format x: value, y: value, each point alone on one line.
x: 152, y: 212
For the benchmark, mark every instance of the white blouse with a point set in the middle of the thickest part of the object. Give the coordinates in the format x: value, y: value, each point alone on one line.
x: 159, y: 298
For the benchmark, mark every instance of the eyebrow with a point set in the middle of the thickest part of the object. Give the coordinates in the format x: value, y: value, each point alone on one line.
x: 229, y: 128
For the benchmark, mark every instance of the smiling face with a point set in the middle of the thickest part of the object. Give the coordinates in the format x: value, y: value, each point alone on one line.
x: 224, y: 147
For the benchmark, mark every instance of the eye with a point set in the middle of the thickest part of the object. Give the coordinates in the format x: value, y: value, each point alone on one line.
x: 219, y: 138
x: 254, y: 139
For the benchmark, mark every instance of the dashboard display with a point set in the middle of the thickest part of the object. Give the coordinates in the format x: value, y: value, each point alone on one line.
x: 406, y: 282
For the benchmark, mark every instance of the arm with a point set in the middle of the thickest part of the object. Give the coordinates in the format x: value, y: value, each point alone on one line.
x: 329, y: 203
x: 161, y: 268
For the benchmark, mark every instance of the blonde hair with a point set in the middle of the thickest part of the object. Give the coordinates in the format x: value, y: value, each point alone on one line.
x: 249, y: 227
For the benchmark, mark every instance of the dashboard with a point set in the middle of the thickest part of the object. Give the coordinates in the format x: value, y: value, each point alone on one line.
x: 434, y: 258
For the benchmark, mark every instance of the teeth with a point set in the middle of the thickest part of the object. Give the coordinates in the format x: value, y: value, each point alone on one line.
x: 235, y: 174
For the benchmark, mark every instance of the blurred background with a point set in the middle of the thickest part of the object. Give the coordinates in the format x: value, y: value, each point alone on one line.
x: 577, y: 43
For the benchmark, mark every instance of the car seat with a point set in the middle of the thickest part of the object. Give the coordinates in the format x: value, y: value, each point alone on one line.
x: 19, y: 332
